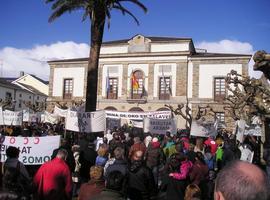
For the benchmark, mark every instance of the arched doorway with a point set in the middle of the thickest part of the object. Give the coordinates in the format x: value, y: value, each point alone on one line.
x: 110, y: 108
x: 163, y: 109
x: 136, y: 109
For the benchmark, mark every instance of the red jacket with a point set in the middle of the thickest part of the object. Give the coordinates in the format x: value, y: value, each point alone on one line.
x: 53, y: 181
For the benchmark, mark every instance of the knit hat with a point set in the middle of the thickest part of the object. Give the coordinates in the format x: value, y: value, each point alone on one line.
x: 155, y: 139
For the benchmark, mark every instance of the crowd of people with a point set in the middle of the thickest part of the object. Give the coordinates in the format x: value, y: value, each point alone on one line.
x: 128, y: 164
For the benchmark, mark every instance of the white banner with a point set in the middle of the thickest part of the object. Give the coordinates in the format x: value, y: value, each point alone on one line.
x: 137, y: 124
x: 202, y: 128
x: 8, y: 117
x: 60, y: 112
x: 159, y: 126
x: 49, y: 118
x: 86, y: 121
x: 33, y: 150
x: 138, y: 115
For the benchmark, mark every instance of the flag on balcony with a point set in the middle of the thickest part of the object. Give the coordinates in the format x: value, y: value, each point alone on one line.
x: 107, y: 83
x: 135, y: 83
x: 165, y: 83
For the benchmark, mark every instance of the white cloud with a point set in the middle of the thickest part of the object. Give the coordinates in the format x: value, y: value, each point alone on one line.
x: 34, y: 60
x: 231, y: 46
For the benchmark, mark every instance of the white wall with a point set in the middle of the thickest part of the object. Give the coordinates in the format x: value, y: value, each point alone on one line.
x: 190, y: 79
x: 76, y: 73
x: 141, y: 59
x: 112, y: 50
x: 29, y: 80
x: 170, y: 47
x: 118, y: 75
x: 158, y: 74
x: 208, y: 72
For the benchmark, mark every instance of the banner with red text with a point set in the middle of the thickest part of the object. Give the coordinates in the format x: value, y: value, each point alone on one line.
x: 33, y: 150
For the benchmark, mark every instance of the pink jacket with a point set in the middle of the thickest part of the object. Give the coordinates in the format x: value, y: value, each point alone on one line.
x: 185, y: 168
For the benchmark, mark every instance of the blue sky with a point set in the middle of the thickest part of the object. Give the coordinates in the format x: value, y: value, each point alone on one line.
x: 237, y: 26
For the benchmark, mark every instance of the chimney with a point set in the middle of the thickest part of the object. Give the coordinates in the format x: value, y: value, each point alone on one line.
x: 21, y: 73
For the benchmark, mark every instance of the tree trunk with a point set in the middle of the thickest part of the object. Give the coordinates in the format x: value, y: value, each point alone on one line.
x: 97, y: 29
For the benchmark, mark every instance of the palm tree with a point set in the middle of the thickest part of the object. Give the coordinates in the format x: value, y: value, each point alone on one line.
x: 97, y: 11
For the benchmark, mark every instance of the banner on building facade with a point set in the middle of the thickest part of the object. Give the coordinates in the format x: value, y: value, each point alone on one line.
x: 60, y: 112
x: 10, y: 118
x: 159, y: 126
x: 33, y: 150
x: 203, y: 128
x: 138, y: 115
x: 86, y: 121
x: 49, y: 118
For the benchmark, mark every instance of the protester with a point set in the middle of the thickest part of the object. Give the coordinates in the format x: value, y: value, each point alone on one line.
x: 76, y: 173
x: 141, y: 184
x: 137, y: 146
x: 94, y: 186
x: 174, y: 188
x: 114, y: 185
x: 53, y: 179
x: 119, y: 164
x: 241, y: 180
x: 154, y: 157
x: 15, y: 176
x: 192, y: 192
x: 87, y: 159
x: 65, y: 144
x: 199, y: 173
x: 102, y: 157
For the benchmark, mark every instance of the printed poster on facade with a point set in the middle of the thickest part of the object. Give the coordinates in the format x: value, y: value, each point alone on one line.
x: 33, y: 150
x: 138, y: 115
x: 9, y: 118
x: 86, y: 121
x: 159, y: 126
x: 203, y: 128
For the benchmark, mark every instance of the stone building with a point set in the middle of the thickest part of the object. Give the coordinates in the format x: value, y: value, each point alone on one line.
x: 145, y: 73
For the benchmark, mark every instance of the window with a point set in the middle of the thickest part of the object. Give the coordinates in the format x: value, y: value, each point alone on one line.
x: 221, y: 119
x: 37, y: 97
x: 112, y: 89
x: 219, y: 89
x: 164, y: 88
x: 220, y: 116
x: 8, y: 96
x: 68, y: 88
x: 20, y: 95
x: 30, y: 97
x: 20, y: 103
x: 137, y: 85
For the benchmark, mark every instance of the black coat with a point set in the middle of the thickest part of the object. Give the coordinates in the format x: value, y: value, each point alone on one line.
x: 118, y: 165
x: 140, y: 183
x: 87, y: 159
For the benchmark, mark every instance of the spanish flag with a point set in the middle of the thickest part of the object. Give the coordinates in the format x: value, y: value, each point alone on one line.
x: 135, y: 83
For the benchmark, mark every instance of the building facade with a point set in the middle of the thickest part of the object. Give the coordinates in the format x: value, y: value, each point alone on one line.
x: 24, y: 91
x: 146, y: 73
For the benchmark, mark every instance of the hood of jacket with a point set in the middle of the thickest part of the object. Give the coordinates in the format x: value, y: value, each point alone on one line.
x: 135, y: 165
